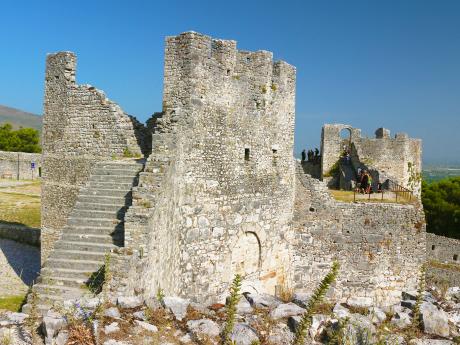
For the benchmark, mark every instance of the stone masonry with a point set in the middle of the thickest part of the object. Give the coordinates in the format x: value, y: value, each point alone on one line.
x: 220, y: 193
x: 18, y: 165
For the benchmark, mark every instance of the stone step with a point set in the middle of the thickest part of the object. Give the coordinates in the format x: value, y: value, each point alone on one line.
x: 89, y: 265
x: 76, y: 255
x: 95, y: 246
x: 94, y: 230
x: 100, y: 207
x: 66, y: 273
x: 120, y: 165
x: 58, y: 292
x: 115, y: 239
x: 56, y: 280
x: 42, y: 309
x: 104, y: 192
x: 77, y: 213
x: 115, y: 171
x: 90, y: 222
x: 111, y: 185
x: 113, y: 178
x: 106, y: 200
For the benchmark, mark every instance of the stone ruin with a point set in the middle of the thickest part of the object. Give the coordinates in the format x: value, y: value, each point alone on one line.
x: 218, y: 192
x: 397, y: 159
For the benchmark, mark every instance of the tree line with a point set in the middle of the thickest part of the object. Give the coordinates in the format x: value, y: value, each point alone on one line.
x: 20, y: 140
x: 441, y: 202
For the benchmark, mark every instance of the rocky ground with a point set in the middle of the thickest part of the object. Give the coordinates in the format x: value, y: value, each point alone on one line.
x: 261, y: 319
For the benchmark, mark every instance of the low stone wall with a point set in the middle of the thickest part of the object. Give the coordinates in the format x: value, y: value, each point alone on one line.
x: 442, y: 248
x: 380, y: 246
x: 18, y: 165
x: 20, y: 234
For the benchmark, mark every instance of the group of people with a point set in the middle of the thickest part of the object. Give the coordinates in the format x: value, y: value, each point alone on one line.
x: 364, y: 184
x: 312, y: 156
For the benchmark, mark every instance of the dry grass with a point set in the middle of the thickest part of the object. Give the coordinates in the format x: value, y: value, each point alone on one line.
x: 20, y: 203
x: 323, y: 308
x: 80, y: 334
x: 444, y: 266
x: 348, y: 196
x: 263, y: 324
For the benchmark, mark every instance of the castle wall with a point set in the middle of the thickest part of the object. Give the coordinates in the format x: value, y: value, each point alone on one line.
x: 80, y: 127
x: 388, y: 157
x: 443, y: 249
x: 18, y: 165
x: 380, y: 246
x: 229, y: 199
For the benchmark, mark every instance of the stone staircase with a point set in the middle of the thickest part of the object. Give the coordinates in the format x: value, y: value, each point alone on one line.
x: 94, y: 227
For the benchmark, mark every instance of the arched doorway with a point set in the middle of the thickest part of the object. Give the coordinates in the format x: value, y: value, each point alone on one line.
x: 246, y: 255
x: 345, y: 136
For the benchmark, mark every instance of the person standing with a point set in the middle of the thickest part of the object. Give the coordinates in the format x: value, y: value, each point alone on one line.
x: 304, y: 155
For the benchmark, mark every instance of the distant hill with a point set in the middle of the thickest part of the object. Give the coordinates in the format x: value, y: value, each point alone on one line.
x: 19, y: 118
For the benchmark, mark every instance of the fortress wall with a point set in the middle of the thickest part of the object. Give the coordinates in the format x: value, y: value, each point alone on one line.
x: 18, y: 164
x: 443, y: 249
x: 380, y: 246
x: 230, y: 208
x: 80, y: 127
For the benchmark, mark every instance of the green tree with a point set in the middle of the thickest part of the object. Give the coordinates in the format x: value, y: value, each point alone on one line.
x: 441, y: 201
x: 21, y: 140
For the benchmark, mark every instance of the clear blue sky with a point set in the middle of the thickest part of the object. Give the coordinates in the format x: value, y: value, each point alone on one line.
x: 366, y: 63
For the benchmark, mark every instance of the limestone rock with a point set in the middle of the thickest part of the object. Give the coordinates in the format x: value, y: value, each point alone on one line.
x: 113, y: 327
x: 301, y: 299
x: 286, y: 310
x: 360, y: 302
x: 203, y: 327
x: 243, y: 306
x: 62, y: 337
x: 185, y: 339
x: 178, y: 306
x: 16, y: 318
x: 401, y: 319
x: 435, y: 321
x: 147, y: 326
x: 243, y: 334
x: 130, y: 302
x: 263, y: 300
x: 281, y: 335
x: 360, y: 326
x: 140, y: 315
x: 340, y: 311
x: 112, y: 312
x: 377, y: 315
x: 430, y: 342
x: 317, y: 323
x: 52, y: 324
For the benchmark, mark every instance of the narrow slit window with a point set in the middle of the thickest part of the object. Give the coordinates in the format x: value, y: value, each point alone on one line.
x: 455, y: 257
x: 246, y: 154
x: 433, y: 247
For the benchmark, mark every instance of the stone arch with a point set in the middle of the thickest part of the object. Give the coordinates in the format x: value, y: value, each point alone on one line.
x: 246, y: 258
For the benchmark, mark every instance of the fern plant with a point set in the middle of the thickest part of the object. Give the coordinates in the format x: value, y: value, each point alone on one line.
x: 230, y: 310
x: 419, y: 298
x: 317, y: 297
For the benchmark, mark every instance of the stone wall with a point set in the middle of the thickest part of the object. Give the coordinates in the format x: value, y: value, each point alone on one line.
x: 387, y: 157
x: 18, y: 165
x: 443, y: 249
x: 225, y: 203
x: 80, y: 127
x: 380, y: 246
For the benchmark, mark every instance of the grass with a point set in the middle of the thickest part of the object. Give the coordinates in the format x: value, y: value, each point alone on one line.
x: 444, y: 266
x: 20, y: 203
x: 12, y: 303
x: 347, y: 196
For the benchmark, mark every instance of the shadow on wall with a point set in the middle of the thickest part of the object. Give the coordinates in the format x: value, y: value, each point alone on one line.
x: 22, y: 258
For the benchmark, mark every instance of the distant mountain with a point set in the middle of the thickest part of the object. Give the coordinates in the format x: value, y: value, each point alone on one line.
x: 19, y: 118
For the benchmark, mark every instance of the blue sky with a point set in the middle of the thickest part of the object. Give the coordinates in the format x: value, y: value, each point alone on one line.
x: 366, y: 63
